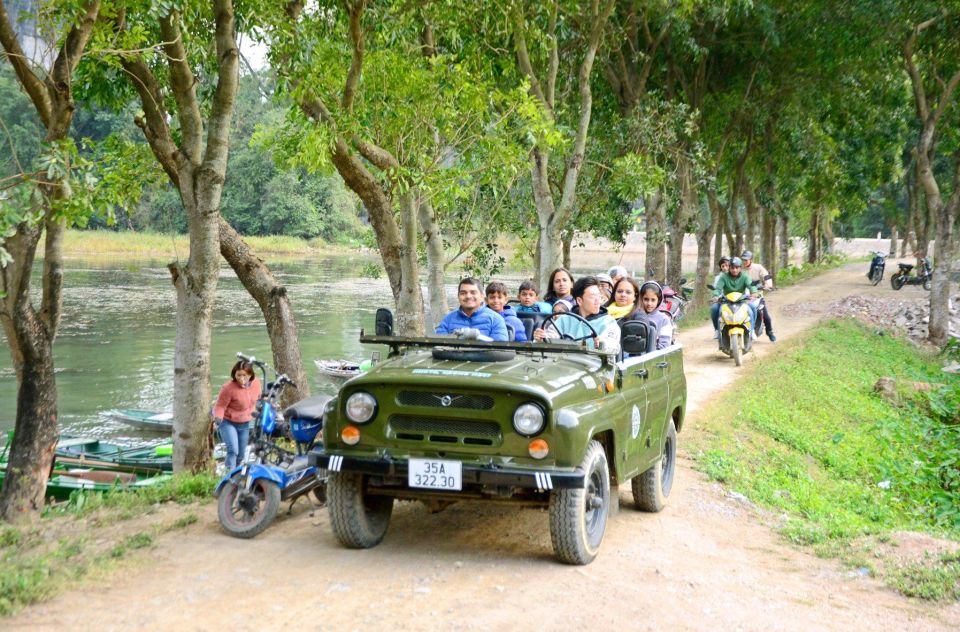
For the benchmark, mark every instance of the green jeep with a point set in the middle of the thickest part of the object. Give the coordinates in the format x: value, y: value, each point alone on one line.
x: 544, y: 424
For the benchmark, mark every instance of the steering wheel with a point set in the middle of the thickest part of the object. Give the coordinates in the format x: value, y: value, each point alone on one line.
x: 550, y: 322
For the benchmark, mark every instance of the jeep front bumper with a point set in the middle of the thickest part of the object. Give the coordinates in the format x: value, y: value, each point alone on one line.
x: 485, y: 475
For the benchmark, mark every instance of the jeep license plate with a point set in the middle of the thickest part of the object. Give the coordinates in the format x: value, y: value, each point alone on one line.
x: 431, y: 474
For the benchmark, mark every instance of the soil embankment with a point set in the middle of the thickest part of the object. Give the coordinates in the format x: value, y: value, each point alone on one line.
x: 707, y: 561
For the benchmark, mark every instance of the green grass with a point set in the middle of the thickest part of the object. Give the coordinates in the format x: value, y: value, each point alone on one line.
x: 811, y: 441
x: 39, y: 560
x: 153, y: 245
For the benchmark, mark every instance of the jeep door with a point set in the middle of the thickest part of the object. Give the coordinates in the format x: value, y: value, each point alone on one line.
x: 636, y: 376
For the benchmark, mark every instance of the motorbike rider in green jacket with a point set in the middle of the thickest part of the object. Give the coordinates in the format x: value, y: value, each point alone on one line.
x: 733, y: 280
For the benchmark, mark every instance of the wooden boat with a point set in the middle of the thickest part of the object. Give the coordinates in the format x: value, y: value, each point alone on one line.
x: 97, y: 454
x: 63, y: 482
x: 338, y: 371
x: 144, y: 419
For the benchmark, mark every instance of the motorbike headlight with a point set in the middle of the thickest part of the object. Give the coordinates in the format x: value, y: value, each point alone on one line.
x: 361, y: 407
x: 528, y: 419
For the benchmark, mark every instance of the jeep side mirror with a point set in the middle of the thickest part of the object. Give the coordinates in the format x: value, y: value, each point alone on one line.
x: 384, y: 322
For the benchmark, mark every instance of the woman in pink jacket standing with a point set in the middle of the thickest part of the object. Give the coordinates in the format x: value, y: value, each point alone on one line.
x: 234, y: 410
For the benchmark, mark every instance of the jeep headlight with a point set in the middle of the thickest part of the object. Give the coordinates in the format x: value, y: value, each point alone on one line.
x: 361, y: 407
x: 528, y: 419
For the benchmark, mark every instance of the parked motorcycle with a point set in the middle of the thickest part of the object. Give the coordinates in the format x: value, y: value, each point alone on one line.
x: 903, y: 277
x: 736, y: 330
x: 249, y: 496
x: 877, y: 265
x: 675, y: 303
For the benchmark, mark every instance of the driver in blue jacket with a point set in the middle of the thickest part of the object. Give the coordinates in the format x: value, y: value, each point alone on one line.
x: 473, y: 313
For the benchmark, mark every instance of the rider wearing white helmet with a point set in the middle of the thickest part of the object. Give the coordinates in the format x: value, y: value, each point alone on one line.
x: 762, y: 279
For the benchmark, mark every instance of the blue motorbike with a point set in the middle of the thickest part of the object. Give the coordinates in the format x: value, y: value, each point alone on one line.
x: 249, y: 496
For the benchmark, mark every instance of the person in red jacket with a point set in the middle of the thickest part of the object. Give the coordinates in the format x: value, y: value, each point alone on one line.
x: 234, y: 410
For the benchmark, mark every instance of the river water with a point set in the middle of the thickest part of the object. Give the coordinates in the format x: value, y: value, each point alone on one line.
x: 116, y: 342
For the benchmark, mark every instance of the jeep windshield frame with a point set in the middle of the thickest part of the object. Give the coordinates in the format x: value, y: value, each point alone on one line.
x: 397, y: 342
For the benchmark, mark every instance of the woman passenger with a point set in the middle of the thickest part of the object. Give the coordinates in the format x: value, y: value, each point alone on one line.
x: 559, y: 287
x: 626, y: 293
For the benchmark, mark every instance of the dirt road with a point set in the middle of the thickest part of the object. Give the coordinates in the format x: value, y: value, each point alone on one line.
x: 705, y: 562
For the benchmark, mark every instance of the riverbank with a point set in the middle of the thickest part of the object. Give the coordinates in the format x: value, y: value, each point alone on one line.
x: 146, y: 245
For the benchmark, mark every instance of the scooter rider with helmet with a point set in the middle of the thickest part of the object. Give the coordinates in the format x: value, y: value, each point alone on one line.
x: 731, y: 281
x: 761, y: 278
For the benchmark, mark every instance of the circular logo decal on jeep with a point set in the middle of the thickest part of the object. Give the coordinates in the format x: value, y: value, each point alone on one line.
x: 636, y: 421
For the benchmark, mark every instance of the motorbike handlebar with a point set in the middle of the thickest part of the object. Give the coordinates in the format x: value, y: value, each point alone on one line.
x: 250, y: 359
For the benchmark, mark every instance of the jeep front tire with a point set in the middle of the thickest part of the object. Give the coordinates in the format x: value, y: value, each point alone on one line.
x: 359, y: 519
x: 578, y: 517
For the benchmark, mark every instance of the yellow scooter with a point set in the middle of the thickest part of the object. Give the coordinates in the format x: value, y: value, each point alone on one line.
x: 736, y: 327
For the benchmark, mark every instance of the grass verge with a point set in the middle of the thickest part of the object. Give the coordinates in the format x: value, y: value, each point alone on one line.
x: 843, y: 470
x: 154, y: 245
x: 39, y: 560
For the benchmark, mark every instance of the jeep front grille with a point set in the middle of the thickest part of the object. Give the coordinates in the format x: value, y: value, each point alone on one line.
x: 416, y: 428
x: 444, y: 400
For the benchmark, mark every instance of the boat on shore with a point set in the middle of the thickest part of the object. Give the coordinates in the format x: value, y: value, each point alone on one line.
x: 63, y: 482
x: 103, y: 455
x: 151, y: 420
x: 337, y: 371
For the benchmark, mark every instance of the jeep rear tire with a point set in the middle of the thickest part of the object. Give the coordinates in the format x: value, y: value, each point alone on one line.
x: 578, y: 517
x: 359, y: 519
x: 652, y: 488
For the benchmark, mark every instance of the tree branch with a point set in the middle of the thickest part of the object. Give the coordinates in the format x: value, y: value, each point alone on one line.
x: 225, y: 94
x: 355, y: 13
x: 153, y: 124
x: 33, y: 85
x: 184, y: 87
x: 523, y: 57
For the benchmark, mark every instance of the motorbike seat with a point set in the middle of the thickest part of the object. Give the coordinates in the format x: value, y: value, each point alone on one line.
x: 308, y: 408
x: 906, y: 267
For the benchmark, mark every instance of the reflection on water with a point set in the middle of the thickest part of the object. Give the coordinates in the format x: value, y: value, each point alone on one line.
x: 116, y: 341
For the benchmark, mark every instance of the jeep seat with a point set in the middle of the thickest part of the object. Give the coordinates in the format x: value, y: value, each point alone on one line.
x: 637, y: 337
x: 531, y: 320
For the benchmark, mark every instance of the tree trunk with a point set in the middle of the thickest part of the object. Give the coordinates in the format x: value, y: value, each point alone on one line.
x: 768, y: 229
x: 784, y: 222
x: 195, y: 283
x: 436, y: 261
x: 549, y: 247
x: 717, y: 212
x: 753, y: 216
x: 706, y: 229
x: 31, y: 333
x: 31, y: 344
x: 944, y: 249
x: 894, y: 238
x: 656, y: 236
x: 813, y: 237
x: 827, y: 231
x: 566, y: 237
x: 410, y: 303
x: 684, y: 212
x: 274, y: 303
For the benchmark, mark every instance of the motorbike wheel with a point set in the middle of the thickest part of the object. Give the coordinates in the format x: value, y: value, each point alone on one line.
x: 877, y: 276
x: 897, y: 281
x: 736, y: 348
x: 926, y: 284
x: 245, y: 516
